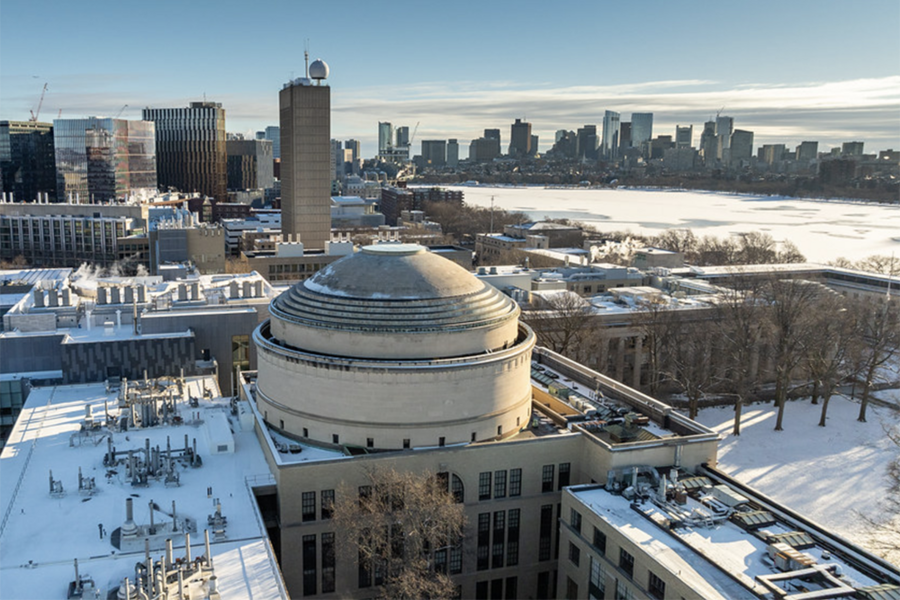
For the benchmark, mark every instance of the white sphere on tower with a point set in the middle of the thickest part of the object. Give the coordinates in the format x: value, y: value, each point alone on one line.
x: 318, y: 69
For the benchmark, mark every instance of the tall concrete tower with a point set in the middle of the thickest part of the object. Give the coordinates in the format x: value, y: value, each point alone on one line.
x: 305, y: 105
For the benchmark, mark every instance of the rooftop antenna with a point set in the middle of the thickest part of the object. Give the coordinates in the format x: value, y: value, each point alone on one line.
x: 306, y: 59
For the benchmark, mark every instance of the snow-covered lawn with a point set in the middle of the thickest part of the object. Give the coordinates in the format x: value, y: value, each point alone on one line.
x: 831, y: 474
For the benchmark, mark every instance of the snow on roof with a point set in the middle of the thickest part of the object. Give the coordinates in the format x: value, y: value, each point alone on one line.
x: 40, y: 535
x: 32, y: 276
x: 716, y: 557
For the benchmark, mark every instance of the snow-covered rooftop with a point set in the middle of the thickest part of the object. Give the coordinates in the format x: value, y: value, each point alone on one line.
x: 717, y: 558
x: 42, y: 533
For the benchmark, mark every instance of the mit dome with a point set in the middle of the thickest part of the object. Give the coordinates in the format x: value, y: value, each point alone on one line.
x: 394, y: 346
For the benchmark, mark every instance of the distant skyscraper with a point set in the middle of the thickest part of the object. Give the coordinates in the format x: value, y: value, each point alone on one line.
x: 852, y: 148
x: 355, y: 156
x: 434, y: 152
x: 587, y: 142
x: 384, y: 138
x: 560, y: 134
x: 520, y: 139
x: 724, y: 128
x: 741, y: 145
x: 534, y: 145
x: 709, y: 143
x: 772, y: 153
x: 337, y: 159
x: 484, y: 149
x: 260, y: 135
x: 27, y: 160
x: 250, y: 164
x: 273, y: 134
x: 807, y: 151
x: 190, y: 148
x: 641, y: 128
x: 452, y: 153
x: 99, y: 159
x: 609, y: 147
x: 402, y: 136
x: 493, y: 134
x: 684, y: 136
x: 625, y: 135
x: 306, y: 158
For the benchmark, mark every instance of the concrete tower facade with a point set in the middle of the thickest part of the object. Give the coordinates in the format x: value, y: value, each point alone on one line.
x: 305, y: 117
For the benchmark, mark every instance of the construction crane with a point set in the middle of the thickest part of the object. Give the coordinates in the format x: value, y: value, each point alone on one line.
x: 121, y: 110
x: 413, y: 136
x: 35, y: 115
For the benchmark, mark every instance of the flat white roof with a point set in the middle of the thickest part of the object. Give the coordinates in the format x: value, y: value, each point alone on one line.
x: 40, y: 535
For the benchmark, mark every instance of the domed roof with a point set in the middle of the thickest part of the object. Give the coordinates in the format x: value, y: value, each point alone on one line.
x: 395, y: 287
x: 318, y: 69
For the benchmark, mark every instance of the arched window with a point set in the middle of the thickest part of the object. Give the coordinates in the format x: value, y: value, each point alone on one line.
x: 457, y: 489
x: 454, y: 485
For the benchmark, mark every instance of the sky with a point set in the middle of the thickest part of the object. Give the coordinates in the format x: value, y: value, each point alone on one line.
x: 788, y: 70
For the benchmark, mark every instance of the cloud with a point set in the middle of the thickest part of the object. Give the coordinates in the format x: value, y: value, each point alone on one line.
x: 828, y: 111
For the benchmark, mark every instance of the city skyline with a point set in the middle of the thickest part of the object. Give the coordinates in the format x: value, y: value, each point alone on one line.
x: 805, y: 71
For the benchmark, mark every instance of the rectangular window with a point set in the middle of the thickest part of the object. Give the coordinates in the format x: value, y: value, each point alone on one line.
x: 327, y: 562
x: 499, y: 484
x: 308, y: 506
x: 547, y: 478
x: 571, y: 589
x: 623, y: 592
x: 575, y: 520
x: 546, y: 532
x: 564, y: 469
x: 497, y: 548
x: 515, y: 482
x: 327, y: 503
x: 364, y: 574
x: 498, y: 535
x: 481, y: 590
x: 309, y: 565
x: 574, y: 554
x: 483, y: 542
x: 484, y: 486
x: 456, y: 559
x: 496, y: 589
x: 512, y: 537
x: 656, y: 586
x: 543, y: 585
x: 599, y: 541
x: 512, y: 588
x: 597, y: 585
x: 626, y: 562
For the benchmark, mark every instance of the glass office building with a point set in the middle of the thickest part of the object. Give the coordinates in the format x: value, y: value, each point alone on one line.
x: 102, y: 159
x: 27, y: 168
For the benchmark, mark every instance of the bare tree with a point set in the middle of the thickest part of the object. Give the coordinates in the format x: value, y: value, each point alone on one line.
x: 562, y: 322
x: 757, y: 248
x: 715, y: 251
x: 658, y: 324
x: 829, y: 349
x: 878, y: 328
x: 691, y: 361
x: 789, y: 253
x: 792, y: 304
x: 401, y: 528
x: 740, y: 327
x: 676, y: 240
x: 879, y: 263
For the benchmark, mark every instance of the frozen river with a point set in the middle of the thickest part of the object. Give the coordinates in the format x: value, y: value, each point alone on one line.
x: 822, y: 229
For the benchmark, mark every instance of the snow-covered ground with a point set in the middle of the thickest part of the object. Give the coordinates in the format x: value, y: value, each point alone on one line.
x: 835, y: 475
x: 822, y: 229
